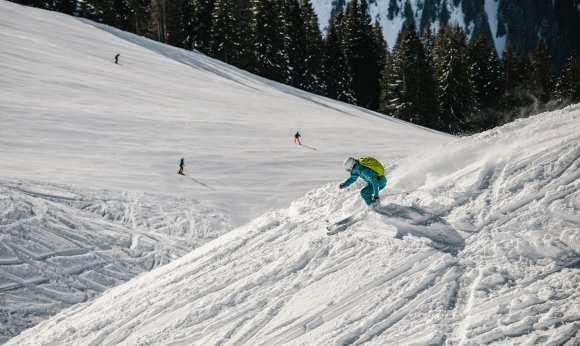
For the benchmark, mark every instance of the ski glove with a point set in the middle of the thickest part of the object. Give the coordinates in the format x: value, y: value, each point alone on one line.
x: 341, y: 186
x: 376, y: 199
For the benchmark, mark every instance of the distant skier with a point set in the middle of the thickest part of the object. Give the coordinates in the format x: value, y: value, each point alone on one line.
x: 181, y: 166
x: 372, y: 171
x: 117, y: 58
x: 297, y: 138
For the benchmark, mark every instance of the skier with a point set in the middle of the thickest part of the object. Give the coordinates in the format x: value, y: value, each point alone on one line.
x: 117, y: 58
x: 371, y: 170
x: 297, y: 138
x: 181, y: 165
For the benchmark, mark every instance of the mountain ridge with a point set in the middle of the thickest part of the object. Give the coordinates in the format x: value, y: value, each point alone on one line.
x: 519, y: 22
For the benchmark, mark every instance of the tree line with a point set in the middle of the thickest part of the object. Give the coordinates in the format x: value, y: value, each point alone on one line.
x: 438, y: 78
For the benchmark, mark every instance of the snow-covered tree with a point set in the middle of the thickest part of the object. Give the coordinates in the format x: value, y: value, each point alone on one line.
x: 542, y: 81
x: 312, y: 45
x: 510, y: 75
x: 454, y: 79
x: 304, y: 46
x: 201, y: 24
x: 363, y: 63
x: 271, y: 41
x: 232, y: 33
x: 568, y: 87
x: 335, y: 74
x: 408, y: 87
x: 486, y: 81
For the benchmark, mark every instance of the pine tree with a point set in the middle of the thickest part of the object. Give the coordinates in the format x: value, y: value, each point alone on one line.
x: 304, y: 46
x: 394, y: 82
x: 454, y: 79
x: 408, y: 87
x: 529, y: 85
x: 568, y: 87
x: 157, y: 21
x: 312, y: 49
x: 409, y: 16
x: 116, y: 13
x: 176, y: 23
x: 380, y: 46
x: 271, y: 42
x: 524, y: 75
x: 429, y: 112
x: 64, y: 6
x: 335, y: 74
x: 360, y: 54
x: 428, y: 39
x: 141, y: 16
x: 296, y: 33
x: 542, y: 81
x: 516, y: 80
x: 510, y: 76
x: 232, y: 34
x: 486, y: 81
x: 202, y: 24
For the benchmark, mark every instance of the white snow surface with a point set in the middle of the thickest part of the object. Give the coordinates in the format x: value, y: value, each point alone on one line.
x: 482, y: 249
x: 89, y: 150
x: 476, y: 240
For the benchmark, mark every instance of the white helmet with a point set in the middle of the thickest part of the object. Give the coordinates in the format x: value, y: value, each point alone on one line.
x: 349, y: 163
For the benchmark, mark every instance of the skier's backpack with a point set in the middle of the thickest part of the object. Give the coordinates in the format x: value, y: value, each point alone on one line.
x: 372, y: 163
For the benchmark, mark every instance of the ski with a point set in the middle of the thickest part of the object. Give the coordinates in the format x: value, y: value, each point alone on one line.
x: 344, y: 224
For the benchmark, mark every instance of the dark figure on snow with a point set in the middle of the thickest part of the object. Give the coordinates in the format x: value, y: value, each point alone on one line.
x: 181, y: 166
x: 117, y: 58
x: 372, y: 171
x: 297, y: 138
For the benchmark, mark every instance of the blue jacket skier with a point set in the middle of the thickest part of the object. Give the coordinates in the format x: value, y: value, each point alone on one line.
x: 375, y: 181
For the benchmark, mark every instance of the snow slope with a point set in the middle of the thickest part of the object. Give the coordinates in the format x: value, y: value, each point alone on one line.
x: 70, y: 115
x: 481, y: 247
x: 89, y: 197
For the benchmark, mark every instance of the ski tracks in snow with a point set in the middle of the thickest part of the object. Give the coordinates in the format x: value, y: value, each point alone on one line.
x: 61, y: 245
x: 373, y: 293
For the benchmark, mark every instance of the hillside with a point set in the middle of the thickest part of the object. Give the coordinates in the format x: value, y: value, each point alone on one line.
x: 481, y: 248
x: 89, y: 195
x: 70, y: 115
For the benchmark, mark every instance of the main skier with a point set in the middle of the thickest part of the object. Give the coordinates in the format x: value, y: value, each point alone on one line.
x: 372, y: 171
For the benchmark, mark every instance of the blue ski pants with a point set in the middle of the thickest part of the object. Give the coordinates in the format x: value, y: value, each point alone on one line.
x: 367, y: 191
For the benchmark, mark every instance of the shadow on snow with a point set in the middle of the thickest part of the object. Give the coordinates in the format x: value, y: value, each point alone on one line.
x: 414, y: 221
